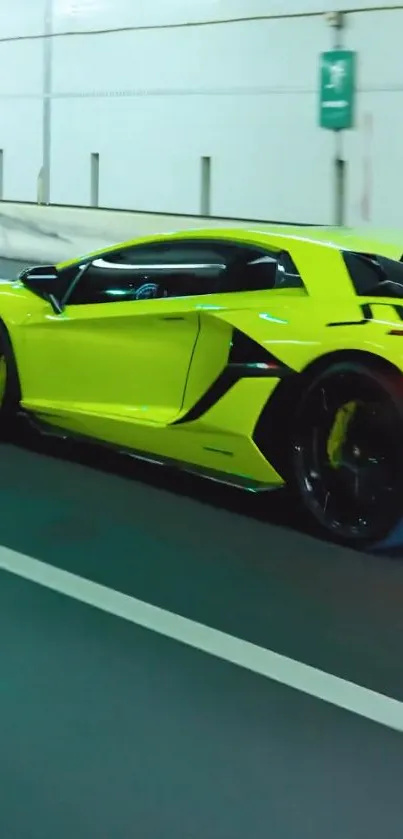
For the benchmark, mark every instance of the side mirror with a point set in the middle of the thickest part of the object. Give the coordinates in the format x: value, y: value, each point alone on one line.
x: 43, y: 281
x: 38, y: 275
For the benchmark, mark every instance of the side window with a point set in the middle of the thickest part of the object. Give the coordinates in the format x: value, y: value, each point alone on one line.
x: 143, y: 273
x: 258, y: 269
x: 189, y: 269
x: 288, y: 275
x: 108, y: 279
x: 182, y: 268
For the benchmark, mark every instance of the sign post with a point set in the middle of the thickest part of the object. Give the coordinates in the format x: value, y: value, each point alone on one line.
x: 337, y: 110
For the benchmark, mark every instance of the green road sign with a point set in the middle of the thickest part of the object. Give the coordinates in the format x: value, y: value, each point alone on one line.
x: 337, y: 89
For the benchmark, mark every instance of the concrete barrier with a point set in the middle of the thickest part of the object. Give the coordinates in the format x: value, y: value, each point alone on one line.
x: 51, y: 234
x: 34, y: 233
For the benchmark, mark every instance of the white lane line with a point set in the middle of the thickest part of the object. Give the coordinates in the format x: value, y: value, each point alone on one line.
x: 358, y: 700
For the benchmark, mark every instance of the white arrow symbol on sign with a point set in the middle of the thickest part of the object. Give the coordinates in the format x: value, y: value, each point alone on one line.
x: 337, y: 72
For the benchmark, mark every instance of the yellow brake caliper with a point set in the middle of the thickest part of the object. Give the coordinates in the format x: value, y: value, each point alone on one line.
x: 338, y: 433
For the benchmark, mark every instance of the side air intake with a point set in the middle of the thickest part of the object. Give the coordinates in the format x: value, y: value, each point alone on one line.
x: 375, y: 276
x: 245, y: 350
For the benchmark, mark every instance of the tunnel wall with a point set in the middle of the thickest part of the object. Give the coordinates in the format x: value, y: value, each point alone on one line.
x: 196, y: 108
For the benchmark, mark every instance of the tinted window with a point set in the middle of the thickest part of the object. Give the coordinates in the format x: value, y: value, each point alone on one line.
x: 288, y: 275
x: 146, y: 274
x: 180, y: 269
x: 261, y: 270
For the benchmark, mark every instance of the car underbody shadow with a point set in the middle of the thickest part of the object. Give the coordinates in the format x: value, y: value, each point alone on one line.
x: 277, y: 508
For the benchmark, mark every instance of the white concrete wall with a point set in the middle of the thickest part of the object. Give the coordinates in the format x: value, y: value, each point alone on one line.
x: 21, y: 86
x: 152, y: 96
x: 375, y: 150
x: 153, y: 102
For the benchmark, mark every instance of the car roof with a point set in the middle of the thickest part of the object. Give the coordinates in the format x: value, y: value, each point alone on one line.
x: 383, y: 242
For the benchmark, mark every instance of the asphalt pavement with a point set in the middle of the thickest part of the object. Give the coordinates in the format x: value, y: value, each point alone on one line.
x: 111, y: 731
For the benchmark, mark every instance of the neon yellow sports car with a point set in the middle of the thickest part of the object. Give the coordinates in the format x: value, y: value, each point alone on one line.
x: 258, y: 358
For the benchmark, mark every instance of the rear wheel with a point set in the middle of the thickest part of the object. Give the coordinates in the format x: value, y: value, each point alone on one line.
x: 347, y: 452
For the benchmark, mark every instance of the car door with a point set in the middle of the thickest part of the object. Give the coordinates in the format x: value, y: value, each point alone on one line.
x: 124, y: 341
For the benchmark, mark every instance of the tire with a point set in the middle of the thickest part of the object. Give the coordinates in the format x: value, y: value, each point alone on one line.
x: 10, y: 390
x: 347, y: 452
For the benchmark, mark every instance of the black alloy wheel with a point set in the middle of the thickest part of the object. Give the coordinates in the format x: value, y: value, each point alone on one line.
x: 347, y: 452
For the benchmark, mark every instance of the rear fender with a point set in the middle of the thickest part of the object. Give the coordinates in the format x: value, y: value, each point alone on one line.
x: 296, y: 330
x: 272, y: 433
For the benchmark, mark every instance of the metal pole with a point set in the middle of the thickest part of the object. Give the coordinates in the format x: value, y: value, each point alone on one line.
x: 339, y: 162
x: 340, y: 181
x: 94, y: 184
x: 1, y: 173
x: 205, y: 191
x: 47, y: 102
